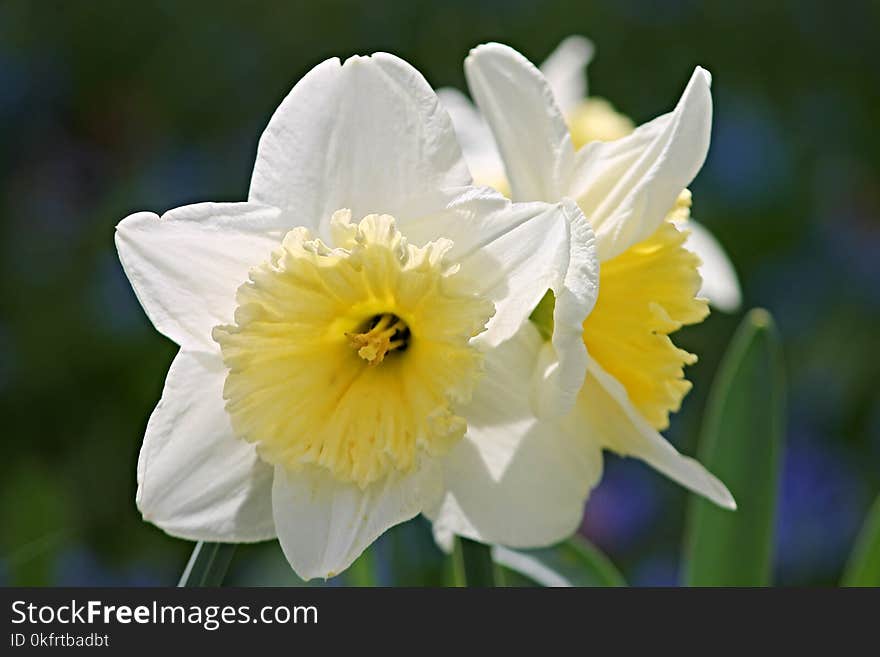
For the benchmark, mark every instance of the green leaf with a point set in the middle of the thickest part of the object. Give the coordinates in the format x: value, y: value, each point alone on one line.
x: 575, y: 562
x: 741, y: 444
x: 207, y: 565
x: 34, y: 535
x: 472, y: 563
x: 863, y: 568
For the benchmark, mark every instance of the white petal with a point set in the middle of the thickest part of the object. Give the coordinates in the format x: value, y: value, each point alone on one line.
x: 367, y: 135
x: 625, y: 187
x: 607, y: 415
x: 186, y: 266
x: 514, y: 253
x: 566, y: 71
x: 514, y: 479
x: 324, y: 525
x: 528, y: 126
x: 564, y: 359
x: 474, y: 136
x: 720, y: 283
x: 196, y: 480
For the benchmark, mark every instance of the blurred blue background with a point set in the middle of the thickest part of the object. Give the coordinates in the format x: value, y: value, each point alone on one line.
x: 108, y: 108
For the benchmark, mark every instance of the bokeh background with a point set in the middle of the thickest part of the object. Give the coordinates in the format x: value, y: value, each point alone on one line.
x: 108, y: 108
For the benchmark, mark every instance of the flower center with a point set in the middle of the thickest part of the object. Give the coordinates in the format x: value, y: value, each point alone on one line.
x: 354, y: 357
x: 384, y: 333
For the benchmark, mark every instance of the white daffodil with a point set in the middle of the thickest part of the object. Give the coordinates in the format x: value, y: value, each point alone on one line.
x: 589, y: 118
x: 333, y: 328
x: 648, y: 283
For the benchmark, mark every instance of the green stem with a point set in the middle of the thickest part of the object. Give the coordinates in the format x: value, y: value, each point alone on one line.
x: 472, y: 563
x: 207, y: 565
x: 363, y: 571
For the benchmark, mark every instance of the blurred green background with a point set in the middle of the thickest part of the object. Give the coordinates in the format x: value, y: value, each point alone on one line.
x: 108, y: 108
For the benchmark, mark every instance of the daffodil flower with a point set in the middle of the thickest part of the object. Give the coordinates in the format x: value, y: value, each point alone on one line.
x: 589, y: 118
x: 648, y: 285
x: 333, y: 328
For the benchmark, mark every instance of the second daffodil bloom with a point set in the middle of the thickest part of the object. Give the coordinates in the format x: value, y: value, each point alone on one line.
x: 333, y: 328
x: 589, y: 118
x: 648, y: 285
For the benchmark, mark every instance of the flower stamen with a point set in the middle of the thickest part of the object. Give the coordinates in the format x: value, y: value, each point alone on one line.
x: 386, y: 333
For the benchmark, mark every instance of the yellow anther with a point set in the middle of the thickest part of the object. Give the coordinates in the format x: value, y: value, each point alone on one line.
x: 388, y: 333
